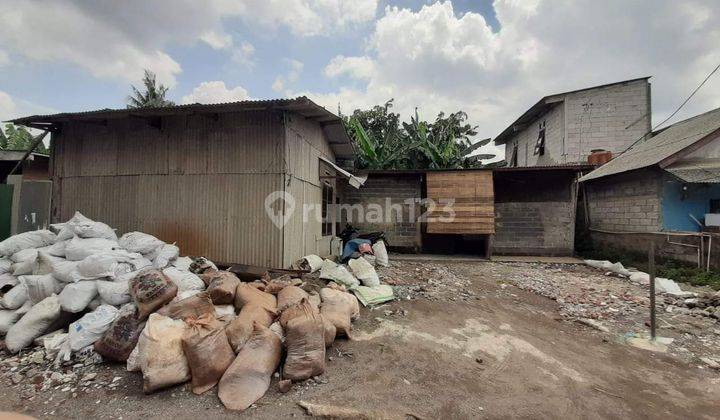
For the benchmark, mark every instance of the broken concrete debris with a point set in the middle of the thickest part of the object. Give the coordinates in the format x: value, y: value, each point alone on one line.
x: 163, y: 313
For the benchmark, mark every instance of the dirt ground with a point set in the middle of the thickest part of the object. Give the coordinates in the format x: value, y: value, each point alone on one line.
x: 467, y: 343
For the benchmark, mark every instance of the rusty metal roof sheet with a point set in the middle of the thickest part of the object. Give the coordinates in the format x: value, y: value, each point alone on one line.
x: 332, y: 125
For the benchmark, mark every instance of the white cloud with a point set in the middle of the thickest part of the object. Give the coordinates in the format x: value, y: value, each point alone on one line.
x: 281, y: 82
x: 354, y: 67
x: 8, y: 109
x: 217, y: 40
x: 440, y: 60
x: 4, y: 58
x: 302, y: 17
x: 117, y: 40
x: 215, y: 92
x: 244, y: 54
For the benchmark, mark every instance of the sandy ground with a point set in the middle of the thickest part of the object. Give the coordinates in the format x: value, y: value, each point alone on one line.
x: 497, y: 352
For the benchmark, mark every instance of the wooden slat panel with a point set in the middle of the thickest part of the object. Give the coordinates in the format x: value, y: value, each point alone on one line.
x: 473, y: 195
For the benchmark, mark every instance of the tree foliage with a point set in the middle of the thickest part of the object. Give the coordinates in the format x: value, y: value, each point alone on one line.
x: 18, y: 138
x: 384, y: 142
x: 154, y: 95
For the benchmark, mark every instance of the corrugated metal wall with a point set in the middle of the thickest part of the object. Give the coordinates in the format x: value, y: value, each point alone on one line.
x: 305, y: 143
x: 198, y: 180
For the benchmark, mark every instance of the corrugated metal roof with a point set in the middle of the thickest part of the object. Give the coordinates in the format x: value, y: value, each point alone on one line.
x: 577, y: 166
x: 695, y: 172
x: 545, y: 104
x: 332, y: 124
x: 662, y: 145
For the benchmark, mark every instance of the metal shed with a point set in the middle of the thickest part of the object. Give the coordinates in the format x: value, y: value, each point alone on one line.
x: 201, y: 175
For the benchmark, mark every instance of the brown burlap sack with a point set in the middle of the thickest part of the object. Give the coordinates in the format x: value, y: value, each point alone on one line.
x: 339, y: 308
x: 330, y: 331
x: 193, y: 307
x: 277, y: 284
x: 222, y: 287
x: 296, y: 310
x: 314, y: 299
x: 207, y: 350
x: 290, y: 296
x: 248, y: 377
x: 305, y: 344
x: 240, y: 329
x: 160, y: 353
x: 150, y: 290
x: 119, y: 341
x: 207, y: 276
x: 246, y: 294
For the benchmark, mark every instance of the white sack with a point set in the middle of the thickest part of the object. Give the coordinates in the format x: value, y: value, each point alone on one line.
x: 34, y: 239
x: 184, y: 280
x: 338, y: 274
x: 114, y: 293
x: 94, y: 230
x: 67, y: 229
x: 24, y: 255
x: 160, y: 353
x: 91, y: 327
x: 57, y: 249
x: 100, y: 265
x: 44, y: 263
x: 165, y: 255
x: 8, y: 318
x: 33, y: 324
x: 75, y: 297
x: 381, y: 255
x: 313, y: 261
x: 15, y: 297
x: 24, y: 268
x: 7, y: 279
x: 364, y: 272
x: 5, y: 265
x: 140, y: 242
x: 224, y: 310
x: 95, y: 303
x: 78, y: 249
x: 133, y: 361
x: 182, y: 263
x: 65, y: 271
x: 184, y: 295
x: 41, y: 287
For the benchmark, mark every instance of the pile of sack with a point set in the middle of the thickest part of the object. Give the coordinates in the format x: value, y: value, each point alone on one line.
x: 358, y: 275
x: 175, y: 319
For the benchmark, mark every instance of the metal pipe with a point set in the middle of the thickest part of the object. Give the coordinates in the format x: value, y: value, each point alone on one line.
x: 708, y: 254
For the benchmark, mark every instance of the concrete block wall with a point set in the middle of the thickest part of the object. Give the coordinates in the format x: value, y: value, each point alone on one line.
x: 628, y: 202
x: 527, y: 138
x: 534, y: 228
x: 401, y: 228
x: 609, y: 118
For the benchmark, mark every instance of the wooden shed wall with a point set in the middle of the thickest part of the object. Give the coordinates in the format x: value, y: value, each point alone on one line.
x: 198, y: 180
x: 305, y: 143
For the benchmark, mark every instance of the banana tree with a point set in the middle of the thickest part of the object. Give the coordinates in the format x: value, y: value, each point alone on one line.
x: 387, y: 152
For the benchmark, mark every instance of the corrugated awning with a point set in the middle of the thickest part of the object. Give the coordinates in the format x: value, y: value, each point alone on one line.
x: 696, y: 173
x: 353, y: 180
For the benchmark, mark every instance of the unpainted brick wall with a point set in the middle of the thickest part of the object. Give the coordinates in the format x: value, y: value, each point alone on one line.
x: 534, y: 212
x: 609, y: 118
x: 534, y: 228
x: 401, y: 229
x: 627, y: 202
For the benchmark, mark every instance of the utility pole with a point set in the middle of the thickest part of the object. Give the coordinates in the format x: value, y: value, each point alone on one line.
x: 651, y: 269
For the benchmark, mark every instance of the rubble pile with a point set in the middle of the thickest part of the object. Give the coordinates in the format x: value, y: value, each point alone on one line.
x: 76, y: 296
x: 706, y: 304
x: 435, y: 282
x: 611, y: 302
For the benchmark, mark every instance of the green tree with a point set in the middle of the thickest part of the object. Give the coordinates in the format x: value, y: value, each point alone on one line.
x: 379, y: 137
x: 153, y: 97
x: 384, y: 142
x: 19, y: 138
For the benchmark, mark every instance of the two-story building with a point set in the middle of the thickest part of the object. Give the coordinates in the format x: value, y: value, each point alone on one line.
x: 547, y: 150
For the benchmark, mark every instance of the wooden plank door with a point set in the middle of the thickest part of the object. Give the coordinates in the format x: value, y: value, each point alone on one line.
x: 473, y: 202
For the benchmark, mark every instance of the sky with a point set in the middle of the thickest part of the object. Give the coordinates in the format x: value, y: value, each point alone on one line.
x: 491, y: 59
